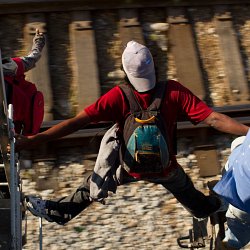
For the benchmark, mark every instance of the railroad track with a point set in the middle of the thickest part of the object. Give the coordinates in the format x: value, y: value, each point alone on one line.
x: 92, y: 134
x: 205, y: 47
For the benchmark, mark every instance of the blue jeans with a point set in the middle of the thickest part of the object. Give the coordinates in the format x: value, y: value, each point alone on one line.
x: 238, y: 233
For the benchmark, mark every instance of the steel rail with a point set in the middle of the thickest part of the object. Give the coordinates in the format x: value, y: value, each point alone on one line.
x: 26, y: 6
x: 94, y: 132
x: 239, y: 112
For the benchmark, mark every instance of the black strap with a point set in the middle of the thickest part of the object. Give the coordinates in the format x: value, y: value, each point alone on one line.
x: 160, y: 89
x: 131, y: 98
x: 135, y: 106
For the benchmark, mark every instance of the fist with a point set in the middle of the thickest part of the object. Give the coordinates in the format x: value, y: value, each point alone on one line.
x: 39, y: 38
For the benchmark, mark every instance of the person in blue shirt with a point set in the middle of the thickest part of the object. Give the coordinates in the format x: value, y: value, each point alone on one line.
x: 234, y: 187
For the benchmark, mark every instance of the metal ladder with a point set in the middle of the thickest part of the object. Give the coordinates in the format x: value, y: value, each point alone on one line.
x: 10, y: 184
x: 10, y: 202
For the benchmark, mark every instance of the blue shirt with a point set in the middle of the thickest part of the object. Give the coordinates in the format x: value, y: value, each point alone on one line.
x: 234, y: 185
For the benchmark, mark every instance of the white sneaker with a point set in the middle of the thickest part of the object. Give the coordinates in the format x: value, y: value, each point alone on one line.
x: 37, y: 207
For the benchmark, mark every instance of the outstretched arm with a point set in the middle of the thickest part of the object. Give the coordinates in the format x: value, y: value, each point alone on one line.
x: 30, y: 60
x: 61, y: 129
x: 226, y: 124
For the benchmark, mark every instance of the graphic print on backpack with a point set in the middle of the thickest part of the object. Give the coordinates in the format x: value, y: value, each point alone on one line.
x: 145, y: 148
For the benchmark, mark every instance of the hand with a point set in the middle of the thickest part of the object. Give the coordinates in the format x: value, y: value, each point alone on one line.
x: 39, y: 39
x: 22, y: 142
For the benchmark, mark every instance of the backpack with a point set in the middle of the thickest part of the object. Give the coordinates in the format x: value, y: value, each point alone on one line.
x: 145, y: 147
x: 27, y: 101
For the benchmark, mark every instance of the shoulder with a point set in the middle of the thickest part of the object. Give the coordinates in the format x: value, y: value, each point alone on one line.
x: 176, y: 88
x: 115, y: 91
x: 20, y: 66
x: 174, y: 85
x: 112, y: 96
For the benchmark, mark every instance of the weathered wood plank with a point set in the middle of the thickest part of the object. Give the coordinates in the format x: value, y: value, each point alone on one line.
x: 130, y: 28
x: 207, y: 160
x: 183, y: 46
x: 83, y: 45
x: 230, y: 52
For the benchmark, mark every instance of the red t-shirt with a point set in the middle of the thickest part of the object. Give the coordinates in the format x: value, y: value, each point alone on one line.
x: 178, y: 101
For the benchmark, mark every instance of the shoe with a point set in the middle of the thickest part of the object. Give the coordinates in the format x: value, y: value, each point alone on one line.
x: 224, y: 246
x: 214, y: 205
x: 37, y: 207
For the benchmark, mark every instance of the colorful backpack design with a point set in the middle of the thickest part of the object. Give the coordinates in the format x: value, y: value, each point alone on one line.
x: 145, y: 147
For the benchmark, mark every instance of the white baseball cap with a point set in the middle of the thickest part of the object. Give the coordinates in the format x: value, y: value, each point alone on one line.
x: 138, y: 64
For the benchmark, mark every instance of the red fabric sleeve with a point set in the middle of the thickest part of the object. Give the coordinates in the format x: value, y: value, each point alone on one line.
x: 109, y: 107
x: 188, y: 104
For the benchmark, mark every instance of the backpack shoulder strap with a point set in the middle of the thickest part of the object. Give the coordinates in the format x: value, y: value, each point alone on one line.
x: 131, y: 98
x: 160, y: 89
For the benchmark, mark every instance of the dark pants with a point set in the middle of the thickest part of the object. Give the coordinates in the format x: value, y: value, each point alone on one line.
x: 178, y: 183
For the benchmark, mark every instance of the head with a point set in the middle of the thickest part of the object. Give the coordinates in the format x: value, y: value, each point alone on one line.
x: 138, y: 65
x: 9, y: 66
x: 235, y: 143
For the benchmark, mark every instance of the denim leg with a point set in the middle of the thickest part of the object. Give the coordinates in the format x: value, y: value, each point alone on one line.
x: 182, y: 187
x: 238, y: 222
x: 64, y: 209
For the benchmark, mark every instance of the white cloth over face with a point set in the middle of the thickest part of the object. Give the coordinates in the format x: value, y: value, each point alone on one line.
x: 235, y: 183
x: 107, y: 167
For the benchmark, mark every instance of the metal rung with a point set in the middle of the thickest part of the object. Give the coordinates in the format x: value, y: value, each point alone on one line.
x: 4, y: 184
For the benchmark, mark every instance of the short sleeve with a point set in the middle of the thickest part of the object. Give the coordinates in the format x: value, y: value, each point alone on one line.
x: 190, y: 105
x: 109, y: 107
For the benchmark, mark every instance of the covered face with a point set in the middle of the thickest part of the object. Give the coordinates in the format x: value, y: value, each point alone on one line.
x: 138, y: 65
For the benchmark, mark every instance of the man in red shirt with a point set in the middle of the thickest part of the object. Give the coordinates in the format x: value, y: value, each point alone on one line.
x: 139, y: 67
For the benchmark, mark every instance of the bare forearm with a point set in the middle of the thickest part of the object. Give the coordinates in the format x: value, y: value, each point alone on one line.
x: 64, y: 128
x: 226, y: 124
x: 61, y: 129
